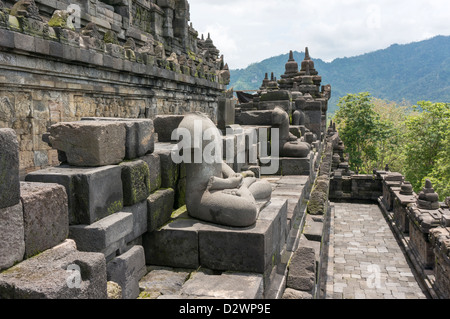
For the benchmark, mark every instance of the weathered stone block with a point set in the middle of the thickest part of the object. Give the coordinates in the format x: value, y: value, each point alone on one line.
x: 61, y: 272
x: 93, y: 193
x: 318, y: 202
x: 9, y: 168
x: 90, y: 143
x: 165, y: 125
x: 105, y: 236
x: 290, y: 293
x: 12, y: 238
x: 225, y: 112
x: 126, y: 270
x: 180, y: 193
x: 288, y: 165
x: 313, y: 229
x: 154, y: 165
x: 225, y: 286
x: 174, y: 245
x: 140, y: 139
x: 302, y: 270
x: 162, y: 281
x: 297, y: 166
x: 401, y: 203
x: 254, y: 118
x: 140, y: 216
x: 169, y: 169
x: 24, y: 42
x: 160, y: 207
x: 135, y: 182
x: 252, y: 249
x: 6, y: 38
x: 45, y: 215
x: 440, y: 239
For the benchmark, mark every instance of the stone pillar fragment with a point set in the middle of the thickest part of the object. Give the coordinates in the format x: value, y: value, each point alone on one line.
x: 160, y: 207
x: 12, y: 239
x: 135, y: 181
x: 126, y: 270
x: 9, y: 168
x: 45, y: 214
x: 302, y: 270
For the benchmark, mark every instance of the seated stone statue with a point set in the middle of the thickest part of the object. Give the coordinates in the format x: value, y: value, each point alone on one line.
x: 298, y: 118
x: 290, y: 145
x: 214, y: 192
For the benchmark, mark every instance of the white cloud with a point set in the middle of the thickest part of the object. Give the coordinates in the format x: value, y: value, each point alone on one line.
x: 248, y: 31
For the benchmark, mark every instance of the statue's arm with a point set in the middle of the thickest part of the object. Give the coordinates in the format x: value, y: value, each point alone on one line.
x: 292, y: 137
x: 227, y: 171
x: 216, y: 183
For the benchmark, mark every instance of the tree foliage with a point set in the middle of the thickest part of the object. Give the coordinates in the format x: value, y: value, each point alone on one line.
x: 426, y: 146
x: 414, y: 141
x: 360, y: 129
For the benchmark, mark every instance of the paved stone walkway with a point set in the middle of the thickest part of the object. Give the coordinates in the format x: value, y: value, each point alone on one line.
x: 365, y: 260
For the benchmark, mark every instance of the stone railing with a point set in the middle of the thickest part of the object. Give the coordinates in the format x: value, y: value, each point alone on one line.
x: 421, y: 223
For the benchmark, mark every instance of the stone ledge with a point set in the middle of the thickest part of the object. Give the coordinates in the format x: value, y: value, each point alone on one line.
x: 71, y: 54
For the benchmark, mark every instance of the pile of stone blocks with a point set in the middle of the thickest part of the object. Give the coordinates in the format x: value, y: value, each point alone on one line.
x: 113, y: 178
x: 35, y: 255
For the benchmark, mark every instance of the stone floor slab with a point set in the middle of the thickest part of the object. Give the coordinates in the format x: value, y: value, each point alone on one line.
x: 383, y: 270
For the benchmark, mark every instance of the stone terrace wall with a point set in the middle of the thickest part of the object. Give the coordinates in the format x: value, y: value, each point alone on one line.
x: 117, y: 63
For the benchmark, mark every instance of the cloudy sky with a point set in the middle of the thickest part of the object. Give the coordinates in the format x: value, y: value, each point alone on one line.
x: 248, y: 31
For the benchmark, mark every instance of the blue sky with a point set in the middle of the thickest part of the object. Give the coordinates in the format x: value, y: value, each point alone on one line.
x: 248, y: 31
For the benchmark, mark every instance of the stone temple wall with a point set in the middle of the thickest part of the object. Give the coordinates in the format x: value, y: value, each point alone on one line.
x: 128, y: 59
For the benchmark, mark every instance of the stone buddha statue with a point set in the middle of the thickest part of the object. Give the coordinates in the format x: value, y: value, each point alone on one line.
x: 214, y: 192
x: 290, y: 145
x: 428, y: 198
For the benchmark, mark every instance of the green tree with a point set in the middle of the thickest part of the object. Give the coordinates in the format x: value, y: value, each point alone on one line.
x: 392, y: 117
x: 427, y: 147
x: 361, y: 129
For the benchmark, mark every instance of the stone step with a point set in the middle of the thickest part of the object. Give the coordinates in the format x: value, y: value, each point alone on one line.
x: 223, y: 286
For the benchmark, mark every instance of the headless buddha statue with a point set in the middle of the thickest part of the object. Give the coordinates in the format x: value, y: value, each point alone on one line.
x: 290, y: 145
x: 214, y: 192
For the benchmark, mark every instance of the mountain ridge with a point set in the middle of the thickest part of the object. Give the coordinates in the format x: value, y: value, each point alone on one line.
x: 402, y: 72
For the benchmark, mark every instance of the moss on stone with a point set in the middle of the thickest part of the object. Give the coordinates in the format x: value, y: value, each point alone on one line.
x: 59, y: 20
x: 180, y: 211
x: 319, y: 197
x: 110, y: 37
x: 115, y: 207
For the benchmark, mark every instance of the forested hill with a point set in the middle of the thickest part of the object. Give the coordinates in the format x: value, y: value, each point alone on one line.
x: 411, y: 72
